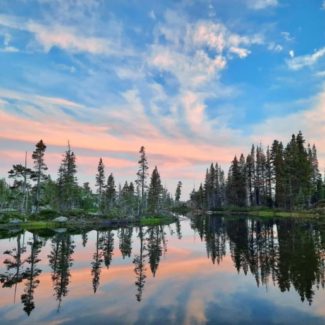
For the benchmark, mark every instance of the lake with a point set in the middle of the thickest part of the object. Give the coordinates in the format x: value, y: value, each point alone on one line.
x: 208, y: 270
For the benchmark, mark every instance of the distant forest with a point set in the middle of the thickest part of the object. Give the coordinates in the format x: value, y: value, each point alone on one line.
x: 285, y: 177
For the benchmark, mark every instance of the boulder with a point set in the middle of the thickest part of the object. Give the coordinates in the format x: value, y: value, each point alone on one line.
x: 60, y: 219
x: 60, y: 230
x: 15, y: 221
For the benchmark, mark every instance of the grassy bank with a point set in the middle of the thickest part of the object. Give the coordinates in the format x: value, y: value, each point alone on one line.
x: 89, y: 222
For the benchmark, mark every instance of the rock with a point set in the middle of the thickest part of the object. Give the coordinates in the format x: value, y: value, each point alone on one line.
x: 60, y: 230
x: 15, y: 221
x: 60, y: 219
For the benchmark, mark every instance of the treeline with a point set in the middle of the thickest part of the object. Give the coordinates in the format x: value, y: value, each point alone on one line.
x: 285, y: 177
x: 32, y: 190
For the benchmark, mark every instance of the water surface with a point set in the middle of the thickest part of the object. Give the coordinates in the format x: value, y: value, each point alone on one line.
x: 203, y: 271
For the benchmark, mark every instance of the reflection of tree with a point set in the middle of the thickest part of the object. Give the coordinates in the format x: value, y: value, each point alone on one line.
x: 31, y: 275
x: 108, y: 247
x: 139, y: 262
x: 97, y: 262
x: 290, y: 253
x: 125, y: 241
x: 215, y: 239
x: 104, y: 252
x: 178, y: 228
x: 152, y: 247
x: 14, y: 263
x: 60, y: 260
x: 155, y: 240
x: 84, y: 237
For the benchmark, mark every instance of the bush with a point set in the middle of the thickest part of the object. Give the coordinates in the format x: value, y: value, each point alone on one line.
x: 181, y: 209
x: 47, y: 214
x: 320, y: 204
x: 7, y: 216
x: 76, y: 213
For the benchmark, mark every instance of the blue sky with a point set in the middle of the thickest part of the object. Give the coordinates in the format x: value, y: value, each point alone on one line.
x: 193, y: 81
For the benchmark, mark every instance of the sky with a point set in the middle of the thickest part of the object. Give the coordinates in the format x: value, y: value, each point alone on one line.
x: 192, y: 81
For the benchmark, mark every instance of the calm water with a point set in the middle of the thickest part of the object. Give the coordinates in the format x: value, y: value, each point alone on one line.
x: 209, y: 270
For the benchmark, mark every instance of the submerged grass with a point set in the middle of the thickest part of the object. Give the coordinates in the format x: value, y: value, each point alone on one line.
x: 74, y: 223
x: 157, y: 220
x: 271, y: 213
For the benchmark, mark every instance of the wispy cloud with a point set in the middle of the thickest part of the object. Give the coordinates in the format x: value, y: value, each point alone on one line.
x: 196, y: 54
x: 65, y: 37
x: 261, y: 4
x: 299, y: 62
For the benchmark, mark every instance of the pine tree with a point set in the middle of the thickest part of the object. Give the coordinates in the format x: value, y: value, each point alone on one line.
x: 21, y: 175
x: 39, y: 168
x: 142, y: 176
x: 250, y: 170
x: 4, y: 194
x: 236, y: 185
x: 155, y: 191
x: 278, y: 173
x: 316, y: 178
x: 268, y: 179
x: 100, y: 184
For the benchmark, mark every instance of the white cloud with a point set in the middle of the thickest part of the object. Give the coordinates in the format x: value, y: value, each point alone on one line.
x: 65, y: 37
x: 299, y: 62
x: 6, y: 44
x: 292, y: 53
x: 185, y: 53
x: 287, y: 36
x: 241, y: 52
x: 320, y: 74
x: 323, y: 5
x: 9, y: 49
x: 274, y: 47
x: 261, y: 4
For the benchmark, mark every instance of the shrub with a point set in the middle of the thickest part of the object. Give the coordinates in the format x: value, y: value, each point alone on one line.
x: 47, y: 214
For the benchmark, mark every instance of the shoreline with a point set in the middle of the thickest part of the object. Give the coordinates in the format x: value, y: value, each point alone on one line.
x: 89, y: 223
x: 266, y: 213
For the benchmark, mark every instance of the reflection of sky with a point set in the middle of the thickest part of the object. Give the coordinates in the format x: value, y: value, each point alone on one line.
x: 187, y: 289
